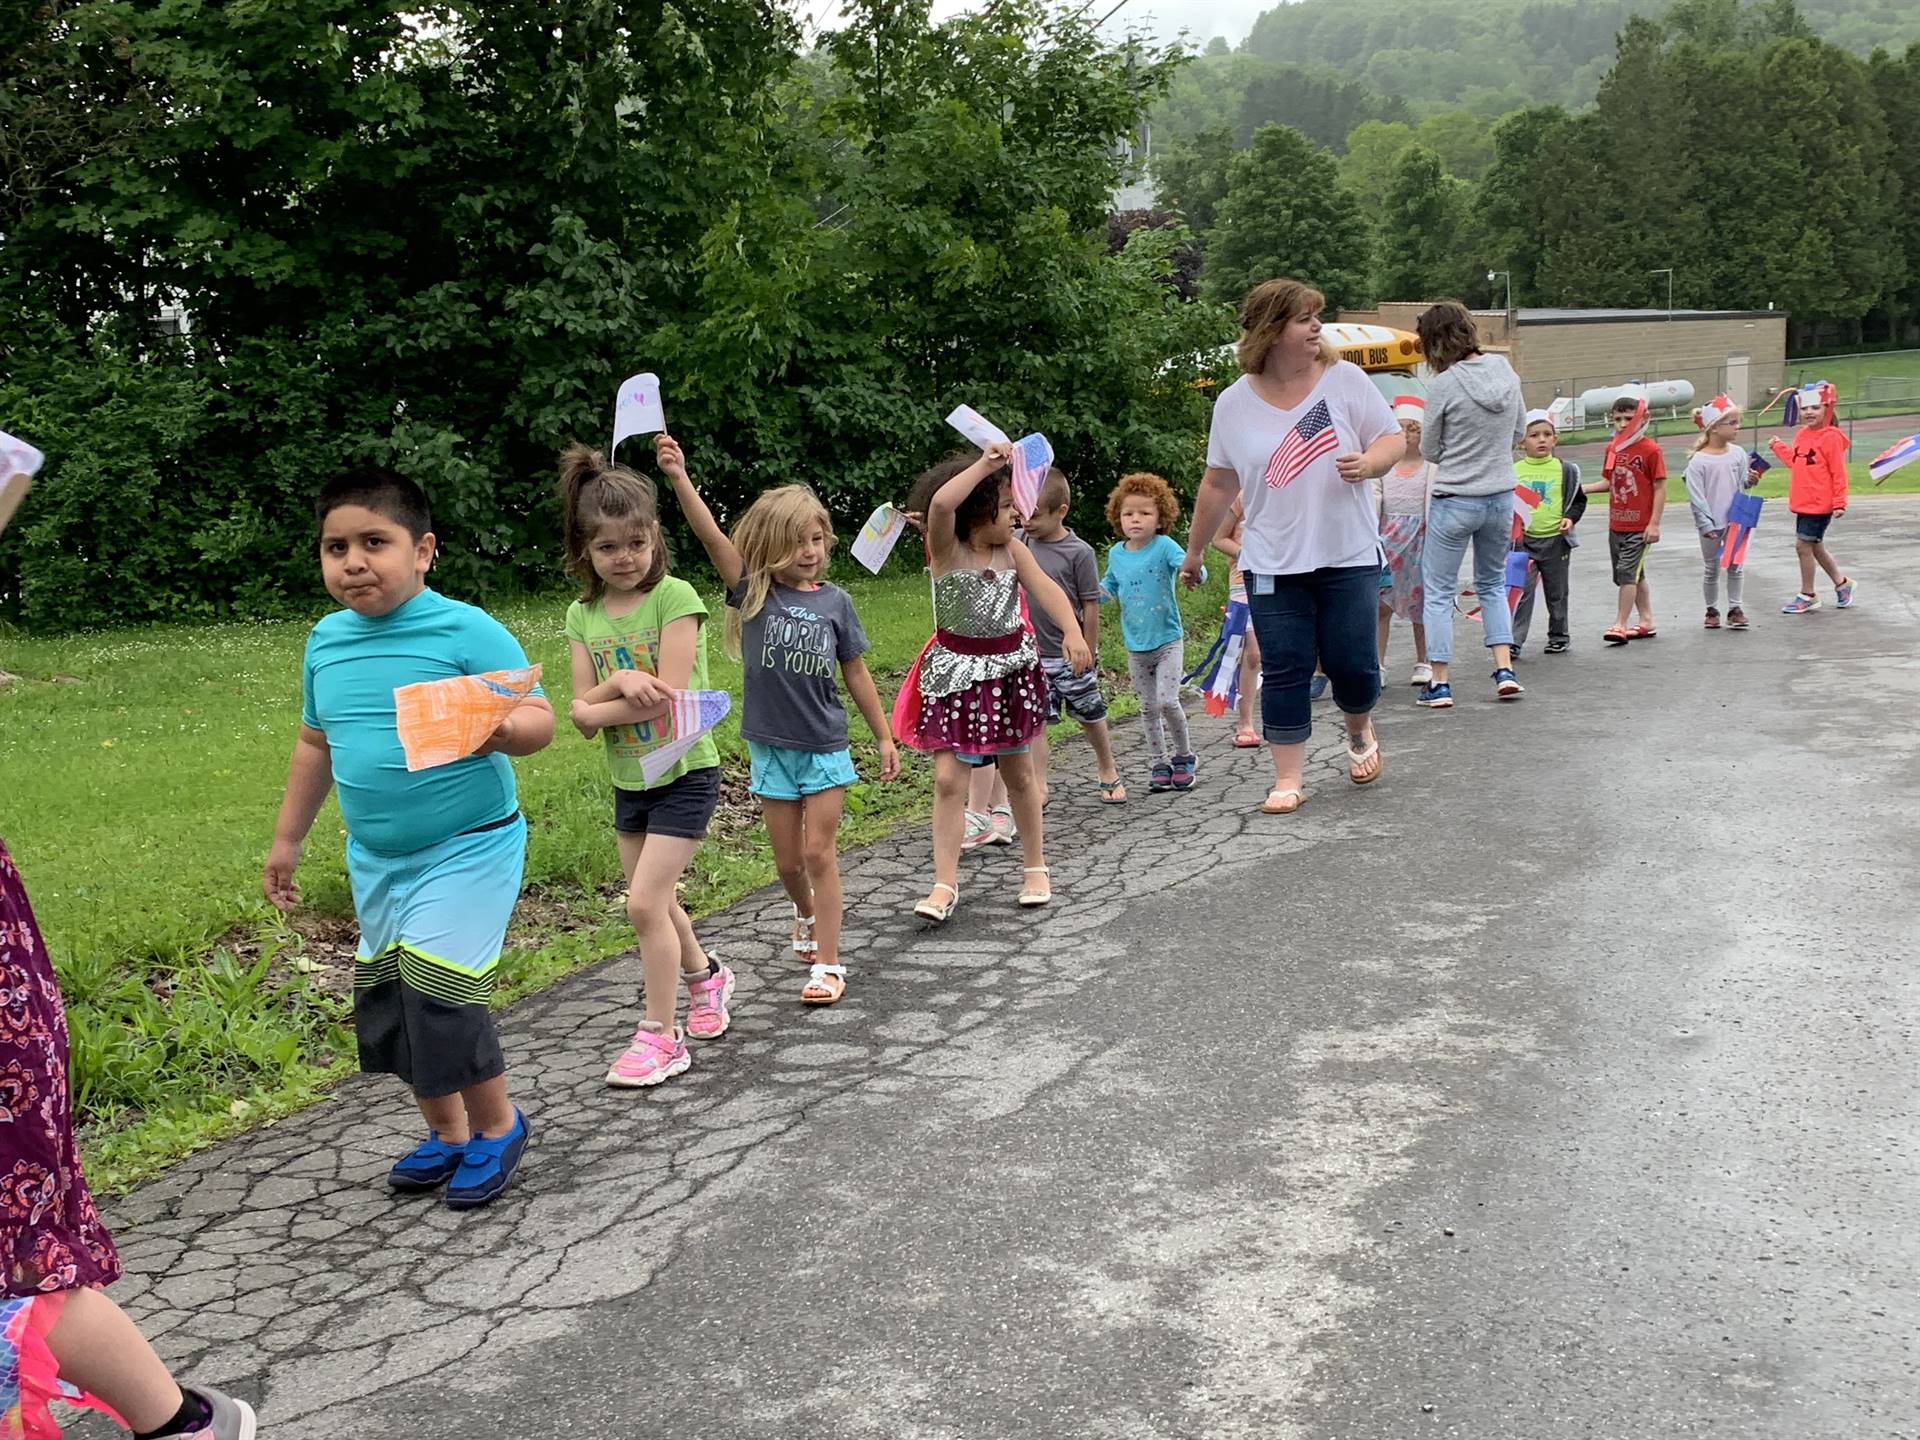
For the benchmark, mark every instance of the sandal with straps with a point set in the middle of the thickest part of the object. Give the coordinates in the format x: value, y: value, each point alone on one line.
x: 1278, y: 798
x: 933, y: 910
x: 1030, y: 897
x: 1113, y: 792
x: 804, y: 944
x: 1357, y: 758
x: 825, y: 985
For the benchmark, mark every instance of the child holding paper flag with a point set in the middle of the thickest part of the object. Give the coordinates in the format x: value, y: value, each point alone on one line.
x: 1718, y: 473
x: 1816, y: 494
x: 791, y: 629
x: 636, y: 636
x: 435, y: 853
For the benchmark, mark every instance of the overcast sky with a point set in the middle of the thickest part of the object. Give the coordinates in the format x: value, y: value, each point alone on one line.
x: 1203, y: 19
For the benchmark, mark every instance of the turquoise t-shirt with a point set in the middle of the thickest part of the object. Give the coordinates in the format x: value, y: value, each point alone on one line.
x: 352, y: 667
x: 1142, y: 581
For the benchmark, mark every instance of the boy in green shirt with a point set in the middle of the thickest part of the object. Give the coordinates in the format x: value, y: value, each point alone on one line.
x: 1548, y: 540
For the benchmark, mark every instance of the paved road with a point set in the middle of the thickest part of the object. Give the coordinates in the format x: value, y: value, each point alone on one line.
x: 1563, y: 1084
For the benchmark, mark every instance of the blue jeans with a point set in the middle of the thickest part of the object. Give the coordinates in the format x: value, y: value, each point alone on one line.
x: 1454, y: 521
x: 1325, y: 615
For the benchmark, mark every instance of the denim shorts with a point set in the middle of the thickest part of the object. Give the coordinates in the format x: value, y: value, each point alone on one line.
x: 783, y: 773
x: 1811, y: 528
x: 680, y: 808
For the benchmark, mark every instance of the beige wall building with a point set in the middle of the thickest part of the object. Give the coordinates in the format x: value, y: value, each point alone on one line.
x: 1742, y: 353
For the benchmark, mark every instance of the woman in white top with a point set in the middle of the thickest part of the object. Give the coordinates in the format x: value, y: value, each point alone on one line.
x: 1297, y: 437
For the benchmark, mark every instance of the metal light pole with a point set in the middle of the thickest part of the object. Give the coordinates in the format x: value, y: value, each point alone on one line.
x: 1668, y: 272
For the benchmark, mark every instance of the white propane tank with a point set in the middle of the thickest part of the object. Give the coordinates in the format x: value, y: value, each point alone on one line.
x: 1661, y: 395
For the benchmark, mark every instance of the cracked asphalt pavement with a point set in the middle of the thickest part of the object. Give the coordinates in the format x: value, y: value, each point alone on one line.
x: 1561, y: 1084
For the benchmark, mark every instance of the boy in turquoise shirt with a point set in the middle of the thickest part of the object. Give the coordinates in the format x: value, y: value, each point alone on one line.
x: 434, y: 856
x: 1548, y: 540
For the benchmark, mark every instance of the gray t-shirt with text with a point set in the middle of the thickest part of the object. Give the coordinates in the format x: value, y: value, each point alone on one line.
x: 790, y: 654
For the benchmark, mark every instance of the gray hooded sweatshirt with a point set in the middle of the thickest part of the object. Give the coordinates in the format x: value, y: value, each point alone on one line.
x: 1474, y: 418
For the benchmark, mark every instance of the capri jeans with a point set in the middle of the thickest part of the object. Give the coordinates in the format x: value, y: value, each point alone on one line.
x: 1325, y: 615
x: 1453, y: 523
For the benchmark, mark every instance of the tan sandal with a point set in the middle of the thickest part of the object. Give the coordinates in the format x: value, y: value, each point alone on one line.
x: 1357, y: 758
x: 1032, y: 898
x: 825, y: 985
x: 1282, y: 801
x: 930, y: 909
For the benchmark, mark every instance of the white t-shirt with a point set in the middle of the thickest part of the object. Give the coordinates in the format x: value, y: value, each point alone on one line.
x: 1302, y: 516
x: 1712, y: 482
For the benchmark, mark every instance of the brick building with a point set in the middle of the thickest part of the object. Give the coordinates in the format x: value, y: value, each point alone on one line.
x: 1742, y: 353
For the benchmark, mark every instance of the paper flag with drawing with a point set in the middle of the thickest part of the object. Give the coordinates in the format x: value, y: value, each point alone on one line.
x: 1743, y: 513
x: 441, y: 721
x: 1901, y: 452
x: 17, y: 457
x: 977, y: 428
x: 637, y: 409
x: 1031, y: 457
x: 878, y: 537
x: 692, y: 714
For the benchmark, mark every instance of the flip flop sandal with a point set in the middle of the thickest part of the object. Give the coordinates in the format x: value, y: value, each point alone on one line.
x: 1357, y: 758
x: 935, y: 911
x: 1617, y: 636
x: 1030, y: 898
x: 1275, y: 803
x: 825, y: 985
x: 1643, y: 632
x: 1113, y: 792
x: 804, y: 944
x: 1246, y: 740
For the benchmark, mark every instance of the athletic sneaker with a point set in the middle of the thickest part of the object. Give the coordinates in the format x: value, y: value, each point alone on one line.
x: 707, y: 1017
x: 226, y: 1417
x: 1185, y: 768
x: 1001, y: 821
x: 1559, y: 647
x: 650, y: 1057
x: 1317, y: 687
x: 428, y: 1166
x: 1713, y: 618
x: 1736, y: 618
x: 1436, y: 697
x: 1843, y: 595
x: 1422, y: 674
x: 1505, y: 686
x: 487, y: 1166
x: 1160, y: 778
x: 1801, y: 604
x: 979, y: 831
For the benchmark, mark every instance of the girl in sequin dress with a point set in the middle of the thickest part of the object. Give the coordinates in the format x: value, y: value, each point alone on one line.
x: 977, y: 689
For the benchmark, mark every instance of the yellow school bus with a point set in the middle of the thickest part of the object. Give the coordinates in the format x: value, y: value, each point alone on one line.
x: 1377, y: 349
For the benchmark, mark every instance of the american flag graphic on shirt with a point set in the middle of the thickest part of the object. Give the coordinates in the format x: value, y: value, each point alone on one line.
x: 1311, y: 437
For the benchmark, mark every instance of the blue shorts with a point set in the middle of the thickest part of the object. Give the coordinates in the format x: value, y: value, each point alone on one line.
x: 1811, y: 528
x: 780, y: 773
x: 431, y: 927
x: 977, y: 760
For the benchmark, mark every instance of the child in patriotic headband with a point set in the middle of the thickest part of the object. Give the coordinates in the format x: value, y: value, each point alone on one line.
x: 1404, y: 491
x: 1816, y: 492
x: 1717, y: 471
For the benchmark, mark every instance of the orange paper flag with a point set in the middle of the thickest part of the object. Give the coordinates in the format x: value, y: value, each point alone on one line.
x: 441, y: 721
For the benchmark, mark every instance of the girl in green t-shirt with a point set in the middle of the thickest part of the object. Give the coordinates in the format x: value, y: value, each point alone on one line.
x: 636, y: 636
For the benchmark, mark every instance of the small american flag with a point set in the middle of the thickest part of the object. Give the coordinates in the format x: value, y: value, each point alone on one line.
x: 1311, y: 437
x: 1031, y: 457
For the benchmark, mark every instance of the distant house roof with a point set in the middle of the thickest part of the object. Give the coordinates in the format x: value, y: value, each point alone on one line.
x: 1557, y: 316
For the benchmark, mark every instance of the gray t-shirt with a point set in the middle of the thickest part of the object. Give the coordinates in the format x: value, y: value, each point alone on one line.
x: 1070, y: 564
x: 789, y: 655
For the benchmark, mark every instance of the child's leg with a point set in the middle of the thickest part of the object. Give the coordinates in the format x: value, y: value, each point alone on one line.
x: 1643, y: 597
x: 1710, y: 543
x: 1803, y: 551
x: 822, y: 860
x: 1555, y: 566
x: 786, y: 830
x: 1042, y: 753
x: 1249, y: 677
x: 1736, y: 584
x: 1624, y: 611
x: 950, y: 780
x: 1419, y: 642
x: 1024, y: 796
x: 1101, y: 741
x: 1824, y: 558
x: 981, y: 783
x: 1168, y: 661
x: 1140, y: 667
x: 658, y: 861
x: 1386, y: 627
x: 101, y: 1351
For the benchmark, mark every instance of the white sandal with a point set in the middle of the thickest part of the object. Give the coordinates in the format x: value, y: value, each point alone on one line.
x: 804, y: 944
x: 1275, y: 804
x: 938, y: 913
x: 832, y: 978
x: 1030, y: 897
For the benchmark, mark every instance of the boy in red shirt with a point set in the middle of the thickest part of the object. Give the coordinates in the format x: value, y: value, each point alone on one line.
x: 1816, y: 494
x: 1635, y: 483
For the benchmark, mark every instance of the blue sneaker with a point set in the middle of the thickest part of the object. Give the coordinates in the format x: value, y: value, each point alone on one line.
x: 1185, y: 767
x: 1317, y: 687
x: 430, y: 1165
x: 1436, y: 697
x: 1160, y: 778
x: 487, y: 1167
x: 1843, y: 594
x: 1505, y: 685
x: 1801, y: 604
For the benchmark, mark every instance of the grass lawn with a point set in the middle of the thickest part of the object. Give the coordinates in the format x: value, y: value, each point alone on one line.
x: 142, y: 770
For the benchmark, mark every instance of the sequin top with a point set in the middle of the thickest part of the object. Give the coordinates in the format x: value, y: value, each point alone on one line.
x: 984, y: 605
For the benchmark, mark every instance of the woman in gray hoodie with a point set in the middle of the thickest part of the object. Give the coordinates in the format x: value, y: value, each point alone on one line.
x: 1475, y: 417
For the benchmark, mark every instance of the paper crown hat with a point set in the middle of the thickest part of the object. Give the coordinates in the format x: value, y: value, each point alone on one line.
x: 1409, y: 407
x: 1539, y: 417
x: 1714, y: 411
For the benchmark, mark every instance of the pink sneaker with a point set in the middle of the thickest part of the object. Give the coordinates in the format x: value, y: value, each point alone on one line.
x: 707, y: 1017
x: 650, y: 1058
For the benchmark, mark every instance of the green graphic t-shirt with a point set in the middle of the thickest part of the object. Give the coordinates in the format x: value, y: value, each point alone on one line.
x: 1543, y: 477
x: 632, y: 642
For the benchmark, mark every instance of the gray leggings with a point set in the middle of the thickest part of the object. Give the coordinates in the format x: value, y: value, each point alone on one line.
x: 1710, y: 544
x: 1156, y: 680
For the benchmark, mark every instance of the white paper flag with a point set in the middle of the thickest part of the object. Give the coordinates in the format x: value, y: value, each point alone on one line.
x: 977, y: 428
x: 878, y: 537
x: 637, y: 409
x: 692, y: 714
x: 19, y: 462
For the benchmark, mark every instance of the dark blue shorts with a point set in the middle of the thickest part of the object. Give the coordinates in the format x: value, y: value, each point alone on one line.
x: 1811, y: 528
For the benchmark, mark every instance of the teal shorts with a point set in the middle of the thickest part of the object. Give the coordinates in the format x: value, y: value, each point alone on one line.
x: 780, y: 773
x: 431, y: 928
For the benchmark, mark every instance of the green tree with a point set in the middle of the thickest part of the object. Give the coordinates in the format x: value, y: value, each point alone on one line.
x: 1191, y: 175
x: 1418, y: 224
x: 1896, y: 81
x: 1463, y: 141
x: 1285, y: 212
x: 1372, y: 148
x: 1505, y: 226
